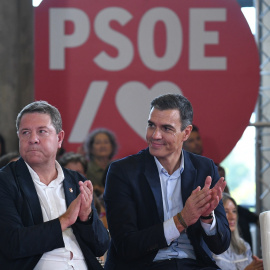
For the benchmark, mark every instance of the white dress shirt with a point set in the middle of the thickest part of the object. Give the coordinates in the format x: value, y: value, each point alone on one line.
x: 179, y: 245
x: 53, y: 205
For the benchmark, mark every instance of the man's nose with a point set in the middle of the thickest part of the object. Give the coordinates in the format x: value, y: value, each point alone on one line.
x: 157, y: 134
x: 33, y: 138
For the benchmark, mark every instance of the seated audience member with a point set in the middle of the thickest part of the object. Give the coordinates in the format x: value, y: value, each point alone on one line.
x: 163, y: 204
x: 221, y: 170
x: 2, y: 146
x: 9, y: 157
x: 74, y: 161
x: 245, y: 217
x: 194, y: 143
x: 48, y: 219
x: 78, y: 163
x: 100, y: 146
x: 239, y: 255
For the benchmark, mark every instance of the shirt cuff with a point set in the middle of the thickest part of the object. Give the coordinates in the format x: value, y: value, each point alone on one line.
x: 170, y: 231
x: 210, y: 229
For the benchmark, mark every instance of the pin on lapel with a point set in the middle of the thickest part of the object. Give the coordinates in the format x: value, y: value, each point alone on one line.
x: 70, y: 190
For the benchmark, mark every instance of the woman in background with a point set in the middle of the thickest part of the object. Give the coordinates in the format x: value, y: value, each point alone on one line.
x: 238, y: 256
x: 100, y: 147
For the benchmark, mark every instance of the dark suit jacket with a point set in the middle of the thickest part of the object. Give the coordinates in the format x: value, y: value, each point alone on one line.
x: 24, y: 235
x: 135, y: 211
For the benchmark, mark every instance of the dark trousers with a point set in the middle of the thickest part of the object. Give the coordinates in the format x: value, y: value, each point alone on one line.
x: 179, y: 264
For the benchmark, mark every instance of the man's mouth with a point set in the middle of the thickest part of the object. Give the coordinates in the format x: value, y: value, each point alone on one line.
x: 156, y: 144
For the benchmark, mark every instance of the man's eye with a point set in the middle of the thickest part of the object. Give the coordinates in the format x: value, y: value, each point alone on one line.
x: 167, y: 129
x: 43, y: 132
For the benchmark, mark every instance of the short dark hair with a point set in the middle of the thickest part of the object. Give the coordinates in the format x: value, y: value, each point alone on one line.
x: 88, y: 144
x: 73, y: 157
x: 42, y: 107
x: 175, y: 101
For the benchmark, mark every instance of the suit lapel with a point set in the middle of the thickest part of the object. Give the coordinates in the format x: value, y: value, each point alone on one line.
x: 188, y: 178
x: 25, y: 183
x: 70, y: 188
x: 27, y: 186
x: 152, y: 176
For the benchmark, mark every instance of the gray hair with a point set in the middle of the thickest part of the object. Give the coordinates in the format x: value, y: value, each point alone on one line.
x: 175, y: 101
x: 42, y: 107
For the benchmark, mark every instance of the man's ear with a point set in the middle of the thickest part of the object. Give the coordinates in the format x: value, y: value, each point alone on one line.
x: 60, y: 136
x: 187, y: 132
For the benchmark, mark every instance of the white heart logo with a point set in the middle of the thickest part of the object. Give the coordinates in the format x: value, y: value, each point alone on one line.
x: 133, y: 102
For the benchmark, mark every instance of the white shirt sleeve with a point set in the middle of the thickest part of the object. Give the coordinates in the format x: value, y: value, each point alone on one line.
x: 170, y: 231
x: 210, y: 229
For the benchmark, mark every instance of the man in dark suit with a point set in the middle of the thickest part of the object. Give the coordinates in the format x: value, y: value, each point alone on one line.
x: 163, y: 204
x: 48, y: 219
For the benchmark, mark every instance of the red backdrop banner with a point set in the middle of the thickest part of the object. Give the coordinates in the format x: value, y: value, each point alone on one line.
x: 102, y: 62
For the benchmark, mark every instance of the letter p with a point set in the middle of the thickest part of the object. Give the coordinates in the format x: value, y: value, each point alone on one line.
x: 58, y: 40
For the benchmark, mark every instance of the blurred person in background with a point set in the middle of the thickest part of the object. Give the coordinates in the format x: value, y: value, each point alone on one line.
x: 238, y: 256
x: 194, y: 143
x: 100, y: 147
x: 74, y: 161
